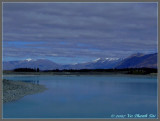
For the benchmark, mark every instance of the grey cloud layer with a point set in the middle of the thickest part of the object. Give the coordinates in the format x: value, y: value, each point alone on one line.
x: 79, y: 29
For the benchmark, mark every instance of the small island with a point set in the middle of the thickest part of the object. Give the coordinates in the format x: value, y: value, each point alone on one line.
x: 14, y: 90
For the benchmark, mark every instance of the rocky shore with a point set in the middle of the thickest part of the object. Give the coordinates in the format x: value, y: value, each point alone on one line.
x: 14, y: 90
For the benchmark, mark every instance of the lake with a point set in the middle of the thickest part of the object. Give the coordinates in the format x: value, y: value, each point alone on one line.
x: 86, y: 96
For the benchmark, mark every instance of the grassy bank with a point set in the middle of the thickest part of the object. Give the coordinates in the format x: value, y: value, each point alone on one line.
x: 14, y: 90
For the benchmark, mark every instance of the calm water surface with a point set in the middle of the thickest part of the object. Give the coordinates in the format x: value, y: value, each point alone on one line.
x: 85, y: 97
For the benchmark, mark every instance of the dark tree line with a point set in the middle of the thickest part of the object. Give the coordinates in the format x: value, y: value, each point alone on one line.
x: 26, y: 70
x: 125, y: 70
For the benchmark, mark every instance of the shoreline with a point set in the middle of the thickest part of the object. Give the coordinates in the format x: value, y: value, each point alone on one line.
x: 15, y: 90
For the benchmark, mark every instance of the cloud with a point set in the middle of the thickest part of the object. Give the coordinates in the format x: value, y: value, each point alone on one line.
x: 83, y: 30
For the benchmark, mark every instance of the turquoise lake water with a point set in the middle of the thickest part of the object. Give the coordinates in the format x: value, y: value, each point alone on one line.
x: 86, y: 96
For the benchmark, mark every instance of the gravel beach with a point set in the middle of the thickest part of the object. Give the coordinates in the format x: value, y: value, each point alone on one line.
x: 14, y: 90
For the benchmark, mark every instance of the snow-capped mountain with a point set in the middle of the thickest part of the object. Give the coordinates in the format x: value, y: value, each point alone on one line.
x: 105, y: 59
x: 29, y: 59
x: 134, y: 61
x: 105, y: 63
x: 42, y: 64
x: 99, y: 63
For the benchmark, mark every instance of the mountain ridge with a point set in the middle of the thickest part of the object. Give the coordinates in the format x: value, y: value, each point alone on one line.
x: 138, y: 60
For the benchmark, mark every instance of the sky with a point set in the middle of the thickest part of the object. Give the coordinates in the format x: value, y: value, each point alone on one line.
x: 78, y: 32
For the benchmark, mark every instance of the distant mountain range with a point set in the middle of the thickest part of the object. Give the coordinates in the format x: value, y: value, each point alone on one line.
x: 137, y: 60
x: 99, y: 63
x: 42, y: 64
